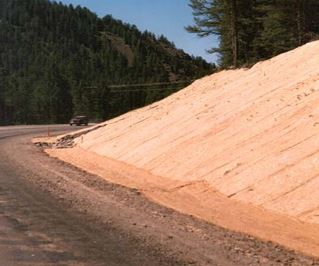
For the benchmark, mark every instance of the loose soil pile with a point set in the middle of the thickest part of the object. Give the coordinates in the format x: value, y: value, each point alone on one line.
x: 239, y: 148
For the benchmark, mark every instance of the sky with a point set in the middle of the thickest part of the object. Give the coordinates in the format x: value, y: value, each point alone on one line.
x: 167, y: 17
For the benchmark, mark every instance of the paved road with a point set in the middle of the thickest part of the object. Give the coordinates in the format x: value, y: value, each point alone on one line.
x: 35, y: 229
x: 54, y: 214
x: 21, y: 207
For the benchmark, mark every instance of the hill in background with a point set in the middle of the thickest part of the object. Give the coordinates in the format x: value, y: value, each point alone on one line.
x: 57, y: 60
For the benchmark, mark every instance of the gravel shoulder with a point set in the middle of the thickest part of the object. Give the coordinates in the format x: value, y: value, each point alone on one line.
x: 82, y: 219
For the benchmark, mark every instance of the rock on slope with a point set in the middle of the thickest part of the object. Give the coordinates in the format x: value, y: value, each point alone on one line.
x: 251, y: 134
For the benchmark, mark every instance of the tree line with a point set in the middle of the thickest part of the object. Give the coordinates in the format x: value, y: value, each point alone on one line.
x: 57, y: 61
x: 254, y: 30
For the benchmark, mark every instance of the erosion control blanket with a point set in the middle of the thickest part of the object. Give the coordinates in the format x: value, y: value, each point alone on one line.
x: 248, y: 138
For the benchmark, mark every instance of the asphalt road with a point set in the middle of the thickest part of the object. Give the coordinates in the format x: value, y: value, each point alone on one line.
x: 22, y: 207
x: 52, y: 213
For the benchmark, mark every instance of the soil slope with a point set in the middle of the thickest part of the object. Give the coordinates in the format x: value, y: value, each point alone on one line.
x: 250, y: 135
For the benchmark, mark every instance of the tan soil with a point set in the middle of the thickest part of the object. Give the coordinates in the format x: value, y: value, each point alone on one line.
x: 238, y: 148
x: 200, y: 200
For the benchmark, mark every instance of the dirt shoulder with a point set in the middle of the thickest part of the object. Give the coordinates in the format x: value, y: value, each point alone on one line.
x: 151, y: 232
x: 200, y: 200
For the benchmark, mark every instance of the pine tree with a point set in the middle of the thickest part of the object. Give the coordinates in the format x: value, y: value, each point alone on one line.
x: 252, y: 30
x: 222, y: 18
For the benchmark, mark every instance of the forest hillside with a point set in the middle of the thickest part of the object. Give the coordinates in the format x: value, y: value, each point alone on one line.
x: 57, y: 61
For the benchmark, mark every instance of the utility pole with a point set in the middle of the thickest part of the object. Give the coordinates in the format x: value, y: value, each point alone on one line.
x: 300, y: 6
x: 234, y: 31
x: 2, y: 91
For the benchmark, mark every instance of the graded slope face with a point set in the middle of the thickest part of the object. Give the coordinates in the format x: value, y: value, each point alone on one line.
x: 252, y: 135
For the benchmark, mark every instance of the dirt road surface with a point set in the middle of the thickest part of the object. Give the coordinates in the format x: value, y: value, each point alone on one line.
x: 52, y: 213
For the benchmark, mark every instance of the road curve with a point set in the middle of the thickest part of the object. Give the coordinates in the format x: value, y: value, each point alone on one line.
x: 54, y: 214
x: 36, y: 229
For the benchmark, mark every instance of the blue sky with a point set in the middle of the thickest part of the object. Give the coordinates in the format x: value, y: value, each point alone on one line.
x: 167, y: 17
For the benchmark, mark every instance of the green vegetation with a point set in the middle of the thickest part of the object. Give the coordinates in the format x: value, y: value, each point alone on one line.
x: 57, y: 61
x: 254, y: 30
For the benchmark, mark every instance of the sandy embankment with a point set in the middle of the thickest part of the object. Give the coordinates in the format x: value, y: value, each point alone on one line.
x: 239, y: 148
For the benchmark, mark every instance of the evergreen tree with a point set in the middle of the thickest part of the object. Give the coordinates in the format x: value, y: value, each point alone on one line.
x: 253, y: 30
